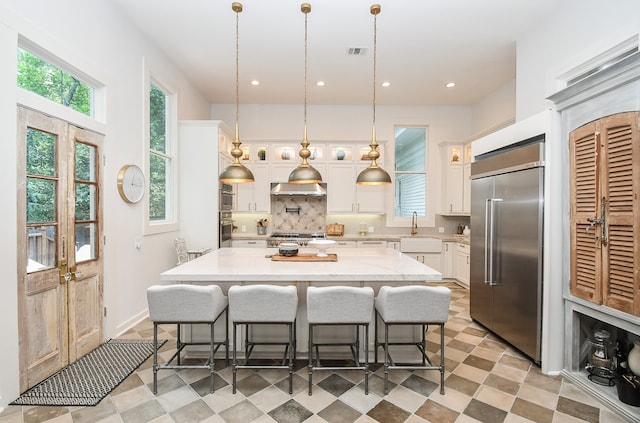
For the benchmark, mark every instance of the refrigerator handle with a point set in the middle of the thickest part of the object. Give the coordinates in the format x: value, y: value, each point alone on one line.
x: 489, y: 233
x: 487, y: 229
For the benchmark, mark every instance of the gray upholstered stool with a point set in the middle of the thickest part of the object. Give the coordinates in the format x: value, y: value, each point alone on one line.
x: 184, y: 303
x: 340, y: 305
x: 412, y: 305
x: 264, y: 304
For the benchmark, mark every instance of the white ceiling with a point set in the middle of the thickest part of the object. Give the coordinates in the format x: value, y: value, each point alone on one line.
x: 422, y: 44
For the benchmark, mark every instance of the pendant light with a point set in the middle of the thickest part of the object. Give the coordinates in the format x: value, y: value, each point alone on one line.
x: 236, y: 171
x: 305, y: 173
x: 374, y: 174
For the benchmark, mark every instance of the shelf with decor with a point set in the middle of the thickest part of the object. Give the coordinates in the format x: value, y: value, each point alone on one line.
x: 341, y: 153
x: 284, y: 153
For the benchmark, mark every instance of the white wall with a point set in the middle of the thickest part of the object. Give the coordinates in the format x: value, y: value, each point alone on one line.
x: 92, y: 37
x: 496, y: 110
x: 579, y: 30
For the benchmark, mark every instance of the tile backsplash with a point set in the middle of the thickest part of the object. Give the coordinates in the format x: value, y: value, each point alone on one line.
x: 298, y: 213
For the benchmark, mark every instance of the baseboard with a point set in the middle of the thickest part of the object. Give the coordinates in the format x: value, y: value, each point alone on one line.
x: 131, y: 323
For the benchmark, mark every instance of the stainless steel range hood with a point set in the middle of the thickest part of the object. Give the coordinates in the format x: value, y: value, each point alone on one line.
x: 282, y: 188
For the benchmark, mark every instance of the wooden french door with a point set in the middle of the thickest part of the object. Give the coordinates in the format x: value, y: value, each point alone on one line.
x: 60, y: 271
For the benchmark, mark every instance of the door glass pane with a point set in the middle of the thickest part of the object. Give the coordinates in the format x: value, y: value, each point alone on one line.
x: 41, y: 200
x: 86, y: 234
x: 85, y: 162
x: 85, y: 201
x: 41, y: 247
x: 41, y: 153
x: 86, y: 190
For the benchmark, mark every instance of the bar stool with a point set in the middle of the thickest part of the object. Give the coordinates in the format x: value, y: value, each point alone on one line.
x: 183, y: 303
x: 412, y: 305
x: 340, y: 305
x: 264, y: 304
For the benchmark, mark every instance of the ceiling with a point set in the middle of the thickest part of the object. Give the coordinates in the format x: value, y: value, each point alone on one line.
x: 421, y: 45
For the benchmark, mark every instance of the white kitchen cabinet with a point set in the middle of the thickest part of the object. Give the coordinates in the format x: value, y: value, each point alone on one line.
x: 345, y: 244
x: 249, y: 243
x: 448, y: 259
x: 456, y: 198
x: 393, y: 244
x: 424, y: 250
x: 372, y: 244
x: 280, y: 172
x: 345, y: 196
x: 253, y: 197
x: 466, y: 189
x: 199, y: 163
x: 462, y: 263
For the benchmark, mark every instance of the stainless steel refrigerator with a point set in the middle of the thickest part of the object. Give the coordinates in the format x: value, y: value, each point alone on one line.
x: 507, y: 203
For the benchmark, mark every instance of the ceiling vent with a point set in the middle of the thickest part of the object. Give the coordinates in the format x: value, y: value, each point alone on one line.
x: 356, y: 51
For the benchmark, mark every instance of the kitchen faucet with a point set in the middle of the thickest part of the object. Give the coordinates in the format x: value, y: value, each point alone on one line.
x: 414, y: 223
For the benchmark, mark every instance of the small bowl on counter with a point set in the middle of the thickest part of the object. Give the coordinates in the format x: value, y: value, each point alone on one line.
x: 321, y: 245
x: 288, y: 249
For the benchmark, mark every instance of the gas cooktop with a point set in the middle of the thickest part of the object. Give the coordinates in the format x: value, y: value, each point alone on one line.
x: 302, y: 238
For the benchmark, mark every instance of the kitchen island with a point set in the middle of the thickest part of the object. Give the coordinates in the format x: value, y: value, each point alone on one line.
x: 237, y: 265
x: 373, y: 267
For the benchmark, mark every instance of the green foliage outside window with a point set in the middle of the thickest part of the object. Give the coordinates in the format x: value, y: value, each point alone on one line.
x: 158, y: 160
x: 48, y: 81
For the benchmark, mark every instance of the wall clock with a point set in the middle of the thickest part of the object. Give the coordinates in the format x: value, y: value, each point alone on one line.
x: 131, y: 184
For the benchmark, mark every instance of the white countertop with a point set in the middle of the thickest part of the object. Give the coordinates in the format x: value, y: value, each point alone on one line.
x: 251, y: 264
x: 464, y: 239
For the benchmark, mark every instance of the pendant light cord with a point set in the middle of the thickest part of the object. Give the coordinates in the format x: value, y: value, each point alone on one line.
x: 375, y: 53
x: 237, y: 72
x: 305, y: 73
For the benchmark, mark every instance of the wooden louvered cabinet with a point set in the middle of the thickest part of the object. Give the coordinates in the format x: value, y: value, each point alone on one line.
x: 605, y: 212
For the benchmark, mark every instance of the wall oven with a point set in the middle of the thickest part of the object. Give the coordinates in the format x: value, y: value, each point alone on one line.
x: 225, y: 199
x: 225, y: 230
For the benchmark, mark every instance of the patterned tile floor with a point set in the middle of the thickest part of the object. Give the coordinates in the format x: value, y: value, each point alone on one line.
x: 487, y: 381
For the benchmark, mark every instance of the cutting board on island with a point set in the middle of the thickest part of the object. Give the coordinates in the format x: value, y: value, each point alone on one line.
x: 304, y: 257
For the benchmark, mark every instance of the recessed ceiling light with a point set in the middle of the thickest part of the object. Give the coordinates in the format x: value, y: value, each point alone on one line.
x: 320, y: 83
x: 450, y: 84
x: 255, y: 82
x: 386, y: 83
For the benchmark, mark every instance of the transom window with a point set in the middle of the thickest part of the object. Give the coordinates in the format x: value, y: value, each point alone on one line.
x: 38, y: 76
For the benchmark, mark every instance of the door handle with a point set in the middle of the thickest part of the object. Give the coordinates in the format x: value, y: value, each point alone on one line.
x: 489, y: 232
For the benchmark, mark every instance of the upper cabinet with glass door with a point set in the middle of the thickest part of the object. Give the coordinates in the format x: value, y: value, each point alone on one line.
x: 456, y: 198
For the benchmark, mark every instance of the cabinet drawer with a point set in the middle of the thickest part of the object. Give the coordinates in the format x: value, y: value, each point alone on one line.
x: 372, y: 244
x: 257, y: 243
x: 463, y: 248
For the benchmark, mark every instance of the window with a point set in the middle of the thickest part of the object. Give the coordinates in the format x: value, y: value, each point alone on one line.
x: 49, y: 81
x: 410, y: 171
x: 161, y: 160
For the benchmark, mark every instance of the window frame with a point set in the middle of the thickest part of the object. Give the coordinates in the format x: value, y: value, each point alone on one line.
x: 430, y: 174
x: 170, y: 223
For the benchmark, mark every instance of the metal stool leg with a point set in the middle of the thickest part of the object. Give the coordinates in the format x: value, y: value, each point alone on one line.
x: 211, y: 359
x: 441, y: 358
x: 366, y: 359
x: 310, y: 358
x: 234, y: 363
x: 155, y: 358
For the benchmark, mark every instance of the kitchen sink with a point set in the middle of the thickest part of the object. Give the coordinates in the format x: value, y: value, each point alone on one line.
x: 425, y: 245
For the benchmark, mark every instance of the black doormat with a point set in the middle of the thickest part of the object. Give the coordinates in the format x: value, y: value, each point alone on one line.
x: 90, y: 378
